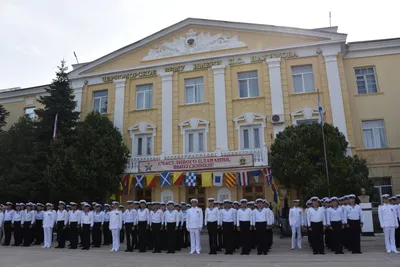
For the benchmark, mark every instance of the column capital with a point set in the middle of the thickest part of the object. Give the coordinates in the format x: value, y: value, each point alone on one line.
x: 120, y: 82
x: 330, y: 57
x: 273, y: 62
x: 78, y: 90
x: 166, y: 76
x: 219, y: 69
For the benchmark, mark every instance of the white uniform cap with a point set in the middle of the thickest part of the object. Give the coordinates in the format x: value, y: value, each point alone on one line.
x: 385, y: 196
x: 142, y: 201
x: 61, y: 202
x: 106, y: 205
x: 94, y: 203
x: 170, y: 202
x: 130, y: 202
x: 236, y: 202
x: 9, y: 203
x: 121, y: 206
x: 49, y: 204
x: 98, y: 205
x: 29, y: 204
x: 73, y: 203
x: 115, y: 203
x: 334, y: 199
x: 21, y: 204
x: 398, y: 196
x: 39, y: 204
x: 162, y: 203
x: 251, y: 203
x: 243, y: 200
x: 188, y: 205
x: 227, y: 201
x: 314, y: 199
x: 258, y: 200
x: 135, y: 202
x: 194, y: 200
x: 86, y: 205
x: 296, y: 200
x: 211, y: 199
x: 352, y: 196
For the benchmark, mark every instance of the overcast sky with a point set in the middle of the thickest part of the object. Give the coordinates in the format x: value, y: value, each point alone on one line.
x: 35, y: 35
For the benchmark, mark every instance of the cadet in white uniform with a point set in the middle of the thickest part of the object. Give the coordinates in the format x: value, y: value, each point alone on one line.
x: 142, y: 225
x: 106, y: 225
x: 38, y: 229
x: 355, y: 221
x: 129, y: 218
x: 98, y: 219
x: 115, y: 225
x: 8, y: 216
x: 211, y: 222
x: 335, y: 220
x: 260, y: 222
x: 49, y: 220
x: 296, y: 222
x: 2, y: 208
x: 243, y: 223
x: 388, y: 220
x: 29, y: 222
x: 194, y: 223
x: 17, y: 221
x: 86, y: 225
x: 62, y: 223
x: 155, y: 221
x: 74, y: 223
x: 226, y: 222
x: 171, y: 222
x: 316, y: 224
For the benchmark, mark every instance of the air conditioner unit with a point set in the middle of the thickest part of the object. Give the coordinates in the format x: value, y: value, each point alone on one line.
x: 277, y: 119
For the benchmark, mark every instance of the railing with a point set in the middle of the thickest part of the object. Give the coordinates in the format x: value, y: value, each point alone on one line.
x: 260, y: 157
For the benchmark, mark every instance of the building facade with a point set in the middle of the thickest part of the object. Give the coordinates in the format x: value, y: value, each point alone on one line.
x: 208, y: 97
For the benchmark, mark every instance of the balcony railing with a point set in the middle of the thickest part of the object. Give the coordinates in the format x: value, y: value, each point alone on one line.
x: 260, y: 157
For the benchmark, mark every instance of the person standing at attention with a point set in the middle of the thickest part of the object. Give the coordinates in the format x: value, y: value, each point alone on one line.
x: 211, y: 221
x: 388, y: 221
x: 115, y: 225
x: 296, y: 222
x: 316, y: 221
x: 355, y: 221
x: 194, y: 223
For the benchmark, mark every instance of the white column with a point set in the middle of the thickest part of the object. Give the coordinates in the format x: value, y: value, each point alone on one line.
x: 78, y: 98
x: 335, y: 92
x: 166, y: 109
x: 274, y: 67
x: 221, y: 126
x: 119, y: 104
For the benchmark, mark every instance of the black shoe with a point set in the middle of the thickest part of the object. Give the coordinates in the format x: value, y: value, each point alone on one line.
x: 315, y: 253
x: 322, y: 253
x: 127, y: 250
x: 265, y: 253
x: 85, y: 248
x: 259, y: 253
x: 141, y: 251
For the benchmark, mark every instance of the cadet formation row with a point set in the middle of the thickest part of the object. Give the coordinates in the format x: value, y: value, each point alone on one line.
x: 169, y: 226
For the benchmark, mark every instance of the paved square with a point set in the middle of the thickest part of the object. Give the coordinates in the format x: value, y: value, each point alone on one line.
x: 280, y: 256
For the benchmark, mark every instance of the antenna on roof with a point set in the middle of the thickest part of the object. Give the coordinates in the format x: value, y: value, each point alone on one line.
x: 330, y: 19
x: 76, y: 58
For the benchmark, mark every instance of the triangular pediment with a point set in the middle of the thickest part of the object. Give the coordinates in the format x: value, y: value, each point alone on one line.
x: 195, y: 38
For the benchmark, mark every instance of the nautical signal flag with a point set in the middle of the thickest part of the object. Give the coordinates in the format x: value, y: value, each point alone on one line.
x: 206, y: 179
x: 217, y: 178
x: 191, y: 179
x: 151, y: 180
x: 177, y: 178
x: 130, y: 180
x: 139, y: 181
x: 268, y: 176
x: 256, y: 174
x: 165, y: 178
x: 243, y: 178
x: 230, y: 179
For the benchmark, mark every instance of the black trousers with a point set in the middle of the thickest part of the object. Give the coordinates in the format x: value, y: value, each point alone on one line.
x: 96, y: 233
x: 39, y: 236
x: 164, y: 238
x: 73, y: 234
x: 106, y: 233
x: 317, y: 232
x: 86, y: 236
x: 212, y: 229
x: 186, y: 240
x: 346, y: 237
x: 171, y: 233
x: 270, y: 239
x: 7, y: 232
x: 261, y: 237
x: 27, y: 234
x: 228, y: 234
x: 135, y: 238
x: 142, y: 231
x: 17, y: 233
x: 397, y: 235
x: 149, y: 240
x: 245, y: 236
x: 60, y: 234
x: 336, y: 237
x: 178, y: 238
x: 156, y: 236
x: 354, y: 236
x: 220, y: 240
x: 128, y: 232
x: 121, y: 236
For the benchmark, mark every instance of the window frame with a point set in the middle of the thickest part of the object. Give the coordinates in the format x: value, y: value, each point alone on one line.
x: 251, y: 133
x: 194, y: 86
x: 186, y: 140
x: 302, y: 79
x: 145, y: 96
x: 314, y: 119
x: 248, y: 84
x: 32, y: 115
x: 374, y: 134
x: 100, y: 101
x: 135, y: 143
x: 377, y: 201
x: 365, y: 80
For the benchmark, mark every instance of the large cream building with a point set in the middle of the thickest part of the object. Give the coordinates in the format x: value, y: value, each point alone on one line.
x: 210, y: 96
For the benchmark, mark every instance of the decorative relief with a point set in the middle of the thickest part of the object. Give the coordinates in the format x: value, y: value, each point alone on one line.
x: 194, y: 43
x: 249, y: 118
x: 194, y: 124
x: 143, y: 127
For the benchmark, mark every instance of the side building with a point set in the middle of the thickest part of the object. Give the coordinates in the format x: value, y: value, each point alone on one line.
x: 206, y: 98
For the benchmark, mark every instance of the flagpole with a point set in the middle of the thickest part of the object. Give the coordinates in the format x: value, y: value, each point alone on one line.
x: 324, y: 144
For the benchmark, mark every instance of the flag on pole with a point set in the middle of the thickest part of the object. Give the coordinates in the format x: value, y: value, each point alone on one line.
x: 243, y: 178
x: 124, y: 183
x: 139, y: 181
x: 165, y: 178
x: 113, y: 197
x: 151, y: 180
x: 320, y: 110
x: 206, y: 179
x: 130, y: 180
x: 230, y: 179
x: 191, y: 179
x: 121, y: 191
x: 268, y: 176
x: 217, y: 178
x: 177, y: 178
x: 55, y: 128
x: 256, y: 175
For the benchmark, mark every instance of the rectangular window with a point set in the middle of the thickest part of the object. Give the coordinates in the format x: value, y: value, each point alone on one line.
x: 100, y: 101
x: 305, y: 121
x: 248, y: 84
x: 195, y: 141
x: 366, y: 80
x: 303, y: 79
x: 251, y: 137
x: 382, y: 185
x: 30, y: 113
x: 194, y: 90
x: 143, y: 145
x: 374, y: 134
x: 144, y: 96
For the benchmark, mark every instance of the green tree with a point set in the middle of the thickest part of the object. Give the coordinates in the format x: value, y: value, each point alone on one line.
x: 298, y: 162
x: 3, y: 116
x: 16, y: 168
x: 100, y: 156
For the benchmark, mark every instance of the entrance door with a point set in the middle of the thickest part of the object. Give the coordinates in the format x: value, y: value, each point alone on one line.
x: 254, y: 191
x: 197, y: 192
x: 144, y: 193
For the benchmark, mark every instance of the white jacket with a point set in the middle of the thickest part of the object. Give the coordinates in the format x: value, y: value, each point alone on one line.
x: 115, y: 220
x: 296, y: 217
x: 49, y: 218
x: 194, y: 218
x: 387, y: 216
